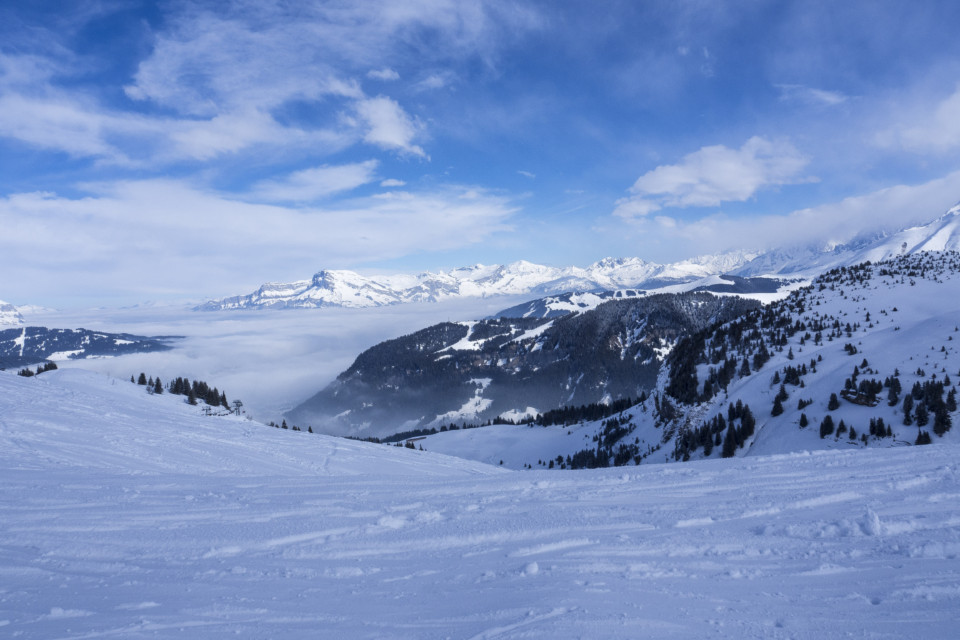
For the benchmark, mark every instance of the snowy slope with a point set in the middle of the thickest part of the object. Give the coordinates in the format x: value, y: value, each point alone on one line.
x: 131, y: 516
x: 72, y: 418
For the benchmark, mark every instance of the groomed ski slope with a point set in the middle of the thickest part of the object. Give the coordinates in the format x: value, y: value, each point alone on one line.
x: 131, y: 516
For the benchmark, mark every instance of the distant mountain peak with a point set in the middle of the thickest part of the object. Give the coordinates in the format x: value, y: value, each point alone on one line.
x: 9, y: 315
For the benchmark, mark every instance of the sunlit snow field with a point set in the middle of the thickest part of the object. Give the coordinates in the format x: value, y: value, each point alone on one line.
x: 127, y: 515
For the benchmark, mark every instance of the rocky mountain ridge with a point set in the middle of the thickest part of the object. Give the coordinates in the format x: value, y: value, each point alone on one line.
x: 341, y: 288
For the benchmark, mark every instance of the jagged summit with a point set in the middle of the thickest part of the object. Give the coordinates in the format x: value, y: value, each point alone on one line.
x: 9, y: 315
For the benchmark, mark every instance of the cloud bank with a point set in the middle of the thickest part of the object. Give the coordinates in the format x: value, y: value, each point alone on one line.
x: 713, y: 175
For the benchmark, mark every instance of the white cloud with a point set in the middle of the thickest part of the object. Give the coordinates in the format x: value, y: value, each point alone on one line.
x: 392, y: 182
x: 389, y: 126
x: 635, y: 207
x: 223, y: 78
x: 309, y: 185
x: 714, y: 175
x: 151, y: 238
x: 37, y: 113
x: 810, y: 95
x: 385, y: 74
x: 60, y: 124
x: 527, y: 174
x: 436, y: 81
x: 883, y: 211
x: 931, y: 131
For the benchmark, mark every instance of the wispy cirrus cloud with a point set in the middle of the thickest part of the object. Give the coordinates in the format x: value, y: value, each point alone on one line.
x: 713, y: 175
x: 811, y: 95
x: 152, y: 235
x: 386, y: 74
x: 219, y: 81
x: 309, y: 185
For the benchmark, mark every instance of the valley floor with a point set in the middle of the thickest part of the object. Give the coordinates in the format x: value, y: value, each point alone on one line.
x: 242, y: 530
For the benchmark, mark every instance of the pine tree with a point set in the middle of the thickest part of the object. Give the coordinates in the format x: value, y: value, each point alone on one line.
x: 191, y: 397
x: 921, y: 415
x: 941, y: 421
x: 158, y: 386
x: 804, y: 421
x: 834, y: 403
x: 747, y: 424
x: 777, y: 407
x: 826, y: 427
x: 142, y: 379
x: 729, y: 443
x: 907, y: 409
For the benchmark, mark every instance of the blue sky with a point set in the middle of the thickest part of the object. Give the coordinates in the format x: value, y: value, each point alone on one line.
x: 187, y: 149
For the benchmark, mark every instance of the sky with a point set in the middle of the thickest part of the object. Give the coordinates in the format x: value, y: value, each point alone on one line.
x: 156, y: 151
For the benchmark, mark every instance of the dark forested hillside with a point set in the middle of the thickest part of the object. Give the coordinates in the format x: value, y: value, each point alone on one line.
x: 29, y: 345
x: 512, y: 366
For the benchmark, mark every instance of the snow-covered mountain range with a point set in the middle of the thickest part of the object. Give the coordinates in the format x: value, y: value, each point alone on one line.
x: 879, y: 332
x: 338, y: 288
x: 341, y: 288
x: 941, y: 234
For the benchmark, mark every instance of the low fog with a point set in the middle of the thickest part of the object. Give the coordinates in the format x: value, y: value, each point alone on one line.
x: 271, y: 360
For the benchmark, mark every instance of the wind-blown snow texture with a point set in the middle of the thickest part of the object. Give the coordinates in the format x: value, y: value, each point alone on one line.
x: 128, y: 515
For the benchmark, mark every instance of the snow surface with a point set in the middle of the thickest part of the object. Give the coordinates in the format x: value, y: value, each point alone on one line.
x: 129, y: 515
